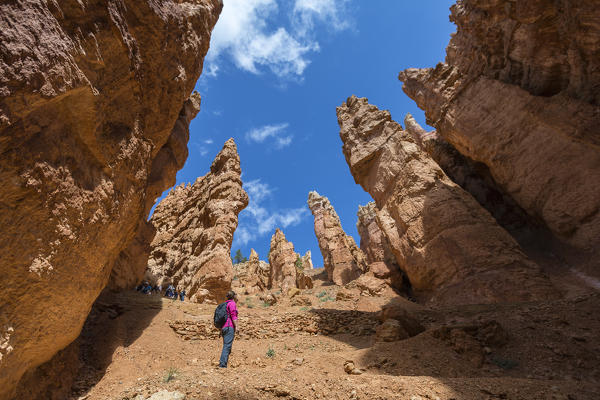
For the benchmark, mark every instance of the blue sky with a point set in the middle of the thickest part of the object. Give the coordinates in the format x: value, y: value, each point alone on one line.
x: 274, y: 74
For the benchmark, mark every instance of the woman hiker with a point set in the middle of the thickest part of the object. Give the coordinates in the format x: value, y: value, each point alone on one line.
x: 229, y: 329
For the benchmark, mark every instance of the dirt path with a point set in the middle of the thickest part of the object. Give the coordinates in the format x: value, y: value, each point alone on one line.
x: 138, y: 345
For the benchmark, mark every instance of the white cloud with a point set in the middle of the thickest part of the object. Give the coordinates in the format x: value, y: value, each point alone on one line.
x: 248, y: 35
x: 307, y: 13
x: 276, y: 133
x: 257, y: 221
x: 208, y: 141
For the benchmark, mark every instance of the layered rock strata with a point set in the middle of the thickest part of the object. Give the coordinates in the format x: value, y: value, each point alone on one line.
x: 285, y: 275
x: 89, y: 97
x: 342, y: 258
x: 194, y: 230
x: 252, y: 275
x: 519, y: 92
x: 446, y: 243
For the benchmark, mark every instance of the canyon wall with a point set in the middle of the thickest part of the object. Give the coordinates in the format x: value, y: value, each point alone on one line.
x: 519, y: 92
x: 194, y: 230
x: 342, y: 258
x: 450, y: 248
x: 89, y: 98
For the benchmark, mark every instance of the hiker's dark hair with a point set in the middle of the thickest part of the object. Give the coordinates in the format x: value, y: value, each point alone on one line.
x: 230, y: 295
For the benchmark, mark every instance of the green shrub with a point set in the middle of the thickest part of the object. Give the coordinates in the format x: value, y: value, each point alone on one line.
x: 323, y: 293
x: 271, y: 352
x: 170, y: 374
x: 304, y: 308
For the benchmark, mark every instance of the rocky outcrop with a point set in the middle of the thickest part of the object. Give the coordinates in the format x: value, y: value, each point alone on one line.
x: 253, y: 275
x: 519, y: 93
x: 89, y: 97
x: 194, y: 230
x: 342, y: 258
x: 285, y: 274
x: 307, y: 260
x: 446, y: 243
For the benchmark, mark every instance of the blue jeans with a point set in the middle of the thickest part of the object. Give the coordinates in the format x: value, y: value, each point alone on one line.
x: 228, y: 333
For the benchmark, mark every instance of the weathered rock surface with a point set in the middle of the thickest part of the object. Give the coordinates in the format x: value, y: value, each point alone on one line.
x: 342, y: 258
x: 307, y: 260
x: 519, y: 93
x: 194, y: 230
x: 89, y: 97
x: 253, y: 275
x: 284, y: 273
x: 376, y: 247
x: 441, y: 237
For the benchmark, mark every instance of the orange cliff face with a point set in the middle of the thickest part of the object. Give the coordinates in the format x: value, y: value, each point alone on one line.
x: 93, y: 114
x: 194, y: 230
x: 518, y: 93
x: 450, y: 248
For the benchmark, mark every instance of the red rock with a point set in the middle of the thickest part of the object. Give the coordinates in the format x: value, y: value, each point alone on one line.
x: 90, y: 100
x: 284, y: 273
x: 342, y: 258
x: 447, y: 244
x: 194, y: 230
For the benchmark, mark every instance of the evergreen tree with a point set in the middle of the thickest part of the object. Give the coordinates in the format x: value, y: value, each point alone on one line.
x: 238, y: 258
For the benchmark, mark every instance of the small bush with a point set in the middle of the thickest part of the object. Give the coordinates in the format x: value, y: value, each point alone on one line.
x: 265, y: 304
x: 323, y: 293
x: 328, y: 298
x: 170, y: 374
x: 304, y: 308
x: 271, y: 352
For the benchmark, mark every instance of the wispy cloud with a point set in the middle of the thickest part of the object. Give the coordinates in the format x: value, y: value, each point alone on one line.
x: 274, y: 133
x: 249, y: 34
x: 256, y: 220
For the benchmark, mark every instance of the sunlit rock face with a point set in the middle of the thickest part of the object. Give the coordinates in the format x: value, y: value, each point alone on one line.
x: 194, y: 230
x: 450, y: 248
x: 285, y: 271
x: 252, y: 275
x: 342, y: 258
x: 519, y: 92
x: 90, y: 96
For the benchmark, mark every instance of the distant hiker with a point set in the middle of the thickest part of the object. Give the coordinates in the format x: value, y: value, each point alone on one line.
x: 229, y: 328
x: 169, y: 292
x: 182, y: 295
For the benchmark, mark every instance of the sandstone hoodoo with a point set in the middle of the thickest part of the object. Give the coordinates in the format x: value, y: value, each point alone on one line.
x: 307, y: 261
x: 90, y: 96
x: 376, y: 247
x: 447, y: 244
x: 518, y: 92
x: 285, y: 273
x: 342, y: 258
x: 194, y: 230
x: 252, y: 276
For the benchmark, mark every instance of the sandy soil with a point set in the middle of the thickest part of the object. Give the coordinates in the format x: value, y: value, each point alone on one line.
x: 136, y: 345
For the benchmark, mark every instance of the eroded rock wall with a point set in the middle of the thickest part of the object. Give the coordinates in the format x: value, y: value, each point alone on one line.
x: 194, y: 230
x: 519, y: 92
x: 446, y: 243
x: 89, y: 97
x: 342, y: 258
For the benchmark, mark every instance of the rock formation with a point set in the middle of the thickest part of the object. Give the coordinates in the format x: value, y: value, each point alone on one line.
x: 342, y: 258
x: 307, y: 260
x: 252, y: 275
x: 89, y: 99
x: 446, y: 243
x: 519, y: 92
x: 284, y: 273
x: 194, y: 230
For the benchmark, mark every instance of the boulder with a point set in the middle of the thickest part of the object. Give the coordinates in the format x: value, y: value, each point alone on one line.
x: 194, y: 230
x: 94, y: 106
x: 342, y: 258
